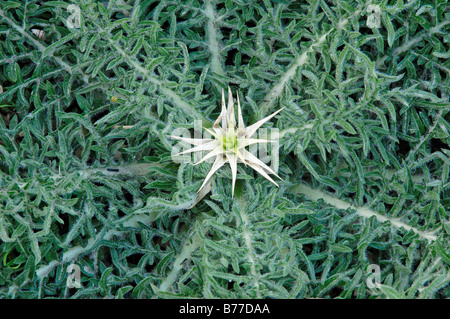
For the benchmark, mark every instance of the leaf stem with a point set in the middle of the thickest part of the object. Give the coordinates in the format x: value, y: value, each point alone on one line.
x: 188, y: 249
x: 277, y: 89
x: 248, y: 242
x: 74, y: 252
x: 315, y: 194
x: 188, y: 109
x: 213, y: 39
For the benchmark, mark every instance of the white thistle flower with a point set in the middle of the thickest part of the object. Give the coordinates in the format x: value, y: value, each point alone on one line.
x: 229, y: 143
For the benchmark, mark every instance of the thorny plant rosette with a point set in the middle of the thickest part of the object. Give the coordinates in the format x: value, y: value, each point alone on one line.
x: 364, y: 150
x: 229, y: 143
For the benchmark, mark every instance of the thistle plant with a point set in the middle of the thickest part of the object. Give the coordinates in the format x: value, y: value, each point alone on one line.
x: 89, y: 188
x: 229, y: 143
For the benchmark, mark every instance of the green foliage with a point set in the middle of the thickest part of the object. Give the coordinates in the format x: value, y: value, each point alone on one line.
x: 364, y: 149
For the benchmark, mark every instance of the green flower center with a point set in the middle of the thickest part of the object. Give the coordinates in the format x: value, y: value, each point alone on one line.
x: 229, y: 142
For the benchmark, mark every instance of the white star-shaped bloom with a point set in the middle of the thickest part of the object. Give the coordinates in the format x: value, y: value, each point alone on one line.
x: 229, y: 143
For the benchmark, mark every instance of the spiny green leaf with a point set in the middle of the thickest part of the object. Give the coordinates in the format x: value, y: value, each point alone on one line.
x: 390, y: 292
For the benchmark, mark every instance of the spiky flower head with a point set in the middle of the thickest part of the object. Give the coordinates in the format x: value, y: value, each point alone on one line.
x: 229, y: 143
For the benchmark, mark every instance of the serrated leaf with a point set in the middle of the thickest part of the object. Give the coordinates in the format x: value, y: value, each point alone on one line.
x: 306, y: 163
x: 137, y: 46
x: 441, y: 252
x: 316, y: 109
x: 440, y: 281
x: 340, y: 248
x: 390, y: 292
x: 11, y: 71
x: 390, y: 29
x: 155, y: 62
x: 10, y: 5
x: 224, y: 248
x: 347, y: 126
x: 298, y: 211
x: 228, y: 276
x: 104, y: 278
x: 442, y: 55
x: 90, y: 45
x: 55, y: 45
x: 310, y: 76
x: 332, y: 98
x: 164, y: 263
x: 267, y: 224
x: 83, y: 103
x: 34, y: 246
x: 102, y: 10
x: 113, y: 63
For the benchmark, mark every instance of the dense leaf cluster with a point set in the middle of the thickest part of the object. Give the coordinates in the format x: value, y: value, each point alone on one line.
x: 87, y: 178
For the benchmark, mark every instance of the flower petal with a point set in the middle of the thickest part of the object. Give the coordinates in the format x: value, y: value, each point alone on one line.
x: 193, y: 141
x: 262, y: 172
x: 218, y: 163
x: 201, y: 193
x: 222, y: 117
x: 215, y: 152
x: 216, y: 134
x: 241, y: 158
x: 241, y: 125
x: 232, y: 159
x: 251, y: 159
x: 252, y: 128
x: 223, y: 113
x: 205, y: 147
x: 230, y: 112
x: 244, y: 142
